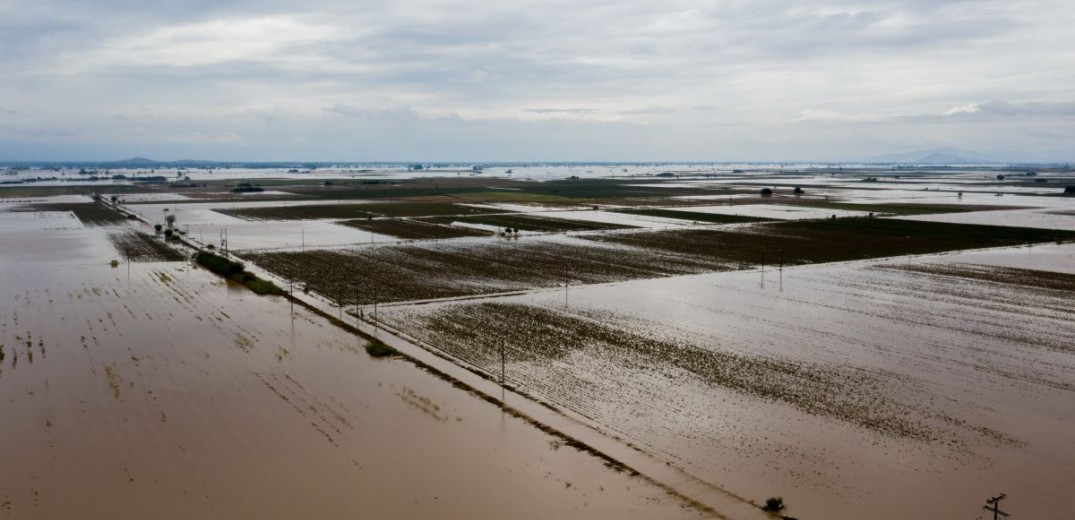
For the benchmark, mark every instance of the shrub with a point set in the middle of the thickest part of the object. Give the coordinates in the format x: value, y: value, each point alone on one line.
x: 774, y: 505
x: 765, y: 192
x: 1069, y: 190
x: 378, y: 349
x: 218, y: 264
x: 235, y: 272
x: 260, y: 286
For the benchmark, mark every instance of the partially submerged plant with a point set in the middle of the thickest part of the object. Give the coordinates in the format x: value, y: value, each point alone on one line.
x: 774, y: 505
x: 378, y: 349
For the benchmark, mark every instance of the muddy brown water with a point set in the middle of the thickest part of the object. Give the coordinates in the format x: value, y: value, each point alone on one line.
x: 165, y: 393
x: 983, y: 367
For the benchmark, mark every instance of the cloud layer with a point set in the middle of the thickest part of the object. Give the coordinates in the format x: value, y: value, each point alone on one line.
x: 535, y: 80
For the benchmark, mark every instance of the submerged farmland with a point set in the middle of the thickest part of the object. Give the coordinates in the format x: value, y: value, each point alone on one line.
x: 158, y: 389
x: 841, y: 360
x: 863, y: 343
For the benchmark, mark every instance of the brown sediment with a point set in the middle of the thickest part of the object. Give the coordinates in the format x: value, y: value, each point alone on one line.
x: 169, y: 384
x: 563, y: 437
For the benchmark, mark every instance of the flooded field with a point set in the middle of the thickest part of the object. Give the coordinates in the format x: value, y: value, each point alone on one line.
x: 888, y: 343
x: 841, y: 388
x: 157, y: 390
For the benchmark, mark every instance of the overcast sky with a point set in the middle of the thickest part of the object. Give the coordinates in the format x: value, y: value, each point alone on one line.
x: 473, y: 80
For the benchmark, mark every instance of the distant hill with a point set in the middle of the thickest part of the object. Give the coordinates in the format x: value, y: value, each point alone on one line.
x: 142, y: 162
x: 137, y: 162
x: 935, y: 156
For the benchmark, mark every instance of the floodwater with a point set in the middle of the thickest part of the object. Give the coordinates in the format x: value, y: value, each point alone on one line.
x: 206, y: 226
x: 156, y: 390
x: 1030, y: 218
x: 915, y: 387
x: 979, y: 373
x: 624, y: 219
x: 774, y: 211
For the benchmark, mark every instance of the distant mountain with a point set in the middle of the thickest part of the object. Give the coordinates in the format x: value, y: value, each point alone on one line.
x: 935, y: 156
x: 137, y: 162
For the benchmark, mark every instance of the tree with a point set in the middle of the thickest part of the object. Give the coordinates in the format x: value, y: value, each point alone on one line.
x: 798, y: 191
x: 1070, y: 190
x: 774, y: 505
x: 766, y: 192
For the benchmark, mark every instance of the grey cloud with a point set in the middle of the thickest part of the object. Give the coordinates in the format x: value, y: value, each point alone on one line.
x: 359, y: 68
x: 559, y: 110
x: 650, y: 110
x: 1028, y: 109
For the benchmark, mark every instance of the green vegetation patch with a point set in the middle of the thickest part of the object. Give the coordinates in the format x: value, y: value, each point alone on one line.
x: 414, y: 229
x: 687, y: 214
x: 90, y: 213
x: 235, y: 271
x: 531, y: 222
x: 354, y: 211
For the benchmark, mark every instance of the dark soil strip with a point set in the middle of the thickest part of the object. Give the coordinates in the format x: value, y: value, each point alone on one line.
x: 832, y: 240
x: 687, y: 214
x: 901, y: 208
x: 353, y: 211
x: 413, y: 229
x: 140, y: 247
x: 534, y: 223
x: 1005, y: 275
x: 427, y: 271
x: 90, y: 213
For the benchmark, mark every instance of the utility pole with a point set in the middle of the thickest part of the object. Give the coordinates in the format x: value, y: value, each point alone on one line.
x: 339, y: 299
x: 501, y: 362
x: 291, y: 295
x: 781, y: 270
x: 994, y: 506
x: 357, y: 322
x: 566, y: 283
x: 763, y: 268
